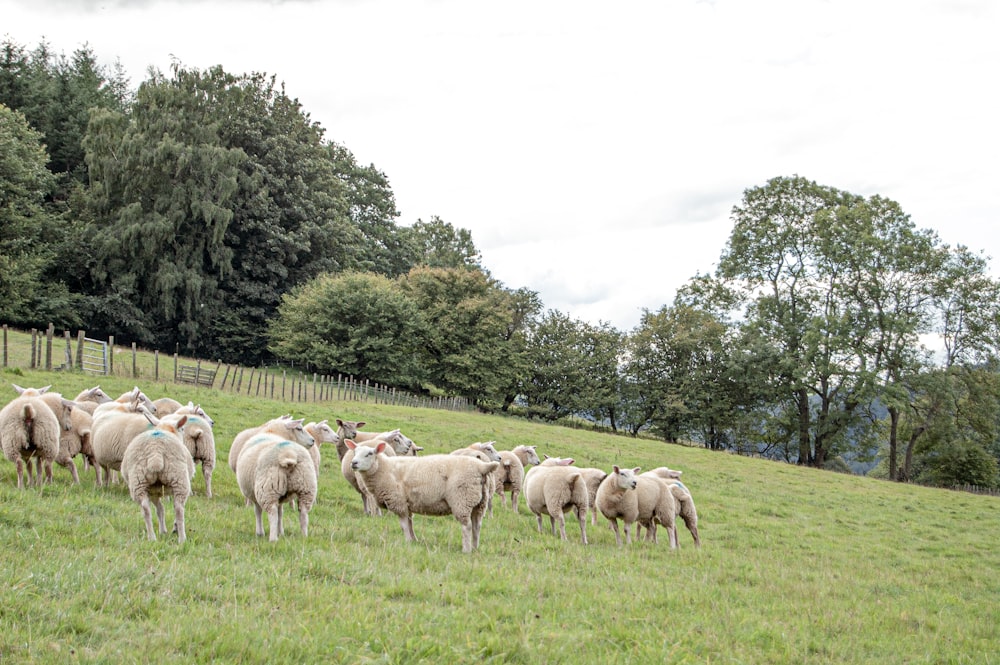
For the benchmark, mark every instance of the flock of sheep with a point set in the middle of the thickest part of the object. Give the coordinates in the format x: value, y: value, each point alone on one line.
x: 156, y: 445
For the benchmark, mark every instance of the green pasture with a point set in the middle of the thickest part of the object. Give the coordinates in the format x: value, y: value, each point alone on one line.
x: 797, y: 565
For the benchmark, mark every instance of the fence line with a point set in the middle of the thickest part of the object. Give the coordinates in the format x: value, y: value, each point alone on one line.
x: 259, y: 381
x: 976, y: 489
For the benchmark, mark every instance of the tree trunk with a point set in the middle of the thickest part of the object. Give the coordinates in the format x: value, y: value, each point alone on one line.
x: 805, y: 449
x: 893, y: 433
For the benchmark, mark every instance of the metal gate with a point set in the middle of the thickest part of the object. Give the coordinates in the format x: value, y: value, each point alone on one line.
x: 94, y: 356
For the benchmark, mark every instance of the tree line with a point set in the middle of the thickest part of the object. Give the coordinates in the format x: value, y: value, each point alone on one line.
x: 204, y: 212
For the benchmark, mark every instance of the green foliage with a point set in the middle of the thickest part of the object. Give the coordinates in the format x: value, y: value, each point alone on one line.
x: 358, y: 324
x: 797, y: 565
x: 573, y: 368
x: 438, y: 244
x: 469, y: 320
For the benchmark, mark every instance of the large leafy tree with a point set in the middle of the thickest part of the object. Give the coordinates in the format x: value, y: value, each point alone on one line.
x: 466, y: 345
x: 573, y: 368
x: 290, y: 215
x: 359, y: 324
x: 26, y: 230
x: 162, y: 188
x: 839, y: 286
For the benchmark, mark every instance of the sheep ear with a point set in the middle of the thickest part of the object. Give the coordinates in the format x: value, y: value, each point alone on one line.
x: 636, y: 469
x: 181, y: 422
x: 380, y: 447
x: 19, y: 389
x: 350, y: 444
x: 360, y: 424
x: 616, y: 469
x: 45, y: 389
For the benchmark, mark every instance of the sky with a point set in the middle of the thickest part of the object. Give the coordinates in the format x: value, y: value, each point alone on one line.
x: 595, y: 150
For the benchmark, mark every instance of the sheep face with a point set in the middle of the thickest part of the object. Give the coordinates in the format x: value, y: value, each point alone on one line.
x: 531, y: 455
x: 295, y: 431
x: 489, y: 449
x: 364, y: 456
x: 625, y: 478
x: 323, y: 433
x: 350, y: 427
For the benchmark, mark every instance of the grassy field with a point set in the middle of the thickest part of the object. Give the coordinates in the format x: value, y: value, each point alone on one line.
x: 797, y: 565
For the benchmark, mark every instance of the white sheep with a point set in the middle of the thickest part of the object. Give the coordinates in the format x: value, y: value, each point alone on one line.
x: 89, y: 399
x: 157, y: 463
x: 656, y: 506
x: 682, y: 498
x: 74, y: 434
x: 593, y: 477
x: 368, y: 502
x: 115, y: 425
x: 432, y: 485
x: 402, y: 444
x: 199, y: 439
x: 271, y: 471
x: 321, y: 433
x: 29, y: 430
x: 484, y: 451
x: 242, y: 437
x: 617, y: 498
x: 165, y: 406
x: 126, y: 402
x: 510, y: 475
x: 553, y: 488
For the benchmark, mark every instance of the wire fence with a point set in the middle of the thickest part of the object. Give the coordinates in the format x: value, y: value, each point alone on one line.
x: 45, y: 350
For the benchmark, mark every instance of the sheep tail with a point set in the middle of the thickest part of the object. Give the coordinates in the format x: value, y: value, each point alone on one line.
x: 155, y: 463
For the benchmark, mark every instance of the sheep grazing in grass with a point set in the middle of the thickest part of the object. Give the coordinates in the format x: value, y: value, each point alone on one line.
x: 321, y: 433
x: 434, y: 485
x: 115, y: 425
x: 683, y: 500
x: 510, y: 475
x: 271, y: 471
x: 157, y: 463
x: 29, y: 430
x: 553, y: 488
x: 199, y: 439
x: 89, y: 399
x: 617, y: 498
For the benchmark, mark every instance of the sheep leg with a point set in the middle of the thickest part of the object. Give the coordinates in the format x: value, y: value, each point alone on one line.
x: 614, y: 527
x: 406, y: 521
x: 303, y: 520
x: 161, y: 518
x: 274, y: 522
x: 47, y: 464
x: 581, y: 516
x: 538, y: 516
x: 514, y: 496
x: 467, y: 528
x: 206, y: 470
x: 281, y: 519
x: 147, y: 517
x: 179, y: 500
x: 20, y: 473
x: 628, y: 532
x: 260, y: 523
x: 693, y: 528
x: 71, y: 465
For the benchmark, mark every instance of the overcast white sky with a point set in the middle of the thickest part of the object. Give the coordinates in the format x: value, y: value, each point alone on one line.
x: 596, y: 149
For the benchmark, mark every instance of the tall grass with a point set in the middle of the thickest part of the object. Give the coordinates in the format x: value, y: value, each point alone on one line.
x: 797, y: 565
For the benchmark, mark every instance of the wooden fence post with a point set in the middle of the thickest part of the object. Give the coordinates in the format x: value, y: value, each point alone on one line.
x: 111, y: 354
x: 5, y: 345
x: 80, y: 335
x: 135, y: 373
x: 69, y: 349
x: 48, y: 346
